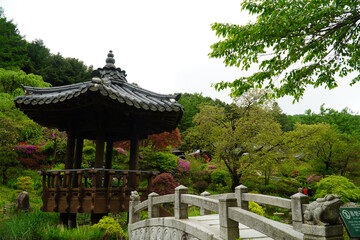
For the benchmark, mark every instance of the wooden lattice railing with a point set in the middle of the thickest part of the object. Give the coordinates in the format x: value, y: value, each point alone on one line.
x: 93, y: 190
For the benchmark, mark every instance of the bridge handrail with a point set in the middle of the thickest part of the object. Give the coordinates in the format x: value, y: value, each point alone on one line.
x: 199, y: 201
x: 265, y: 199
x: 271, y: 228
x: 158, y: 200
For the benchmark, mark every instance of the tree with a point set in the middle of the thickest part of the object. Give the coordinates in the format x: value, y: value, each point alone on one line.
x: 191, y: 103
x: 12, y: 45
x: 295, y: 43
x: 54, y: 68
x: 245, y: 138
x: 11, y: 81
x: 331, y: 152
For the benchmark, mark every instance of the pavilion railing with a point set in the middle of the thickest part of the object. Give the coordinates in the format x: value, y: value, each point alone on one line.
x: 92, y: 190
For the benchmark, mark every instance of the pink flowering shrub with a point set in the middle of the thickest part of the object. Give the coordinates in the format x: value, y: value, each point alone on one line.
x: 30, y: 156
x: 121, y: 150
x: 313, y: 179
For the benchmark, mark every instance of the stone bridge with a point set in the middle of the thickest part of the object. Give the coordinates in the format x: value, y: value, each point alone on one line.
x: 227, y: 217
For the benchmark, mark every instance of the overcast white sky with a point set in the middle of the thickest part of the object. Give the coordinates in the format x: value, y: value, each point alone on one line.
x: 162, y: 45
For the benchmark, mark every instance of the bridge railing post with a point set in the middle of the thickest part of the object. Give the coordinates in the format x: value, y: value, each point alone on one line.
x: 297, y: 201
x: 204, y: 211
x: 239, y: 191
x: 153, y: 210
x: 229, y: 229
x: 134, y: 200
x: 180, y: 209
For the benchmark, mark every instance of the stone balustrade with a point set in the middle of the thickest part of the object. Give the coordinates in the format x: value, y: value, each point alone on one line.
x: 233, y: 208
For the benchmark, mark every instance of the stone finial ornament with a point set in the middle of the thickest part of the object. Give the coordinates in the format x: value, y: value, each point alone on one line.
x: 134, y: 196
x: 324, y: 211
x: 110, y: 61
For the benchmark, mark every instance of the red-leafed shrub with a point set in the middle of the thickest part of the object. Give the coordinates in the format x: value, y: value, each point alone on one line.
x: 200, y: 186
x: 164, y: 184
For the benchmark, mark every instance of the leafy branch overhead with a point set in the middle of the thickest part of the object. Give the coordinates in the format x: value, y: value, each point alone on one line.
x: 294, y: 43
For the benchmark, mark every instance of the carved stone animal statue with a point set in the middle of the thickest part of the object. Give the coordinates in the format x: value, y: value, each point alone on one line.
x: 324, y: 211
x: 134, y: 196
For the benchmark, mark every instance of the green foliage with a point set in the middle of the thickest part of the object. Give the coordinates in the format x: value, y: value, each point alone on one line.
x: 192, y: 103
x: 338, y: 185
x: 9, y: 165
x: 27, y: 225
x: 81, y: 232
x: 165, y: 162
x: 11, y: 81
x: 24, y: 184
x: 89, y: 156
x: 256, y: 208
x: 330, y: 152
x: 110, y: 226
x: 220, y: 177
x: 321, y: 35
x: 12, y: 45
x: 54, y: 68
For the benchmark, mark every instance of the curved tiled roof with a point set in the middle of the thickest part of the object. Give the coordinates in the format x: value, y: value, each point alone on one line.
x: 108, y: 90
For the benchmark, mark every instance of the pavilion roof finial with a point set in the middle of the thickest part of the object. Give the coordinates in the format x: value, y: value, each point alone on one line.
x: 110, y: 60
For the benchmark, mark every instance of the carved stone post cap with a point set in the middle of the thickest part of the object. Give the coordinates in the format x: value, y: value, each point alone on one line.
x: 181, y: 187
x: 153, y: 194
x: 241, y: 187
x: 299, y: 195
x: 205, y: 193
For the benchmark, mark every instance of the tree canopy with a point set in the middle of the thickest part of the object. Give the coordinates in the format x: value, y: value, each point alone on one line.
x: 295, y: 43
x: 12, y: 45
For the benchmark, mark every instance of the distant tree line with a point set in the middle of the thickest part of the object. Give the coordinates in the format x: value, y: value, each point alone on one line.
x: 34, y: 57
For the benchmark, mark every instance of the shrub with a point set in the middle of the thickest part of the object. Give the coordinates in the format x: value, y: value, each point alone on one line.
x: 166, y: 162
x: 111, y: 227
x: 24, y: 184
x: 220, y: 177
x: 89, y: 155
x: 256, y: 208
x: 200, y: 186
x: 164, y: 184
x: 338, y: 185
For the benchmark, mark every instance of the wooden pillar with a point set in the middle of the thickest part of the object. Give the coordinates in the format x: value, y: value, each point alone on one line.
x: 108, y: 161
x: 78, y: 152
x: 69, y: 162
x: 108, y: 156
x: 133, y: 164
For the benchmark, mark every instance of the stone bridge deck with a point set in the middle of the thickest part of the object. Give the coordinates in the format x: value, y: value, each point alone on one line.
x: 211, y: 223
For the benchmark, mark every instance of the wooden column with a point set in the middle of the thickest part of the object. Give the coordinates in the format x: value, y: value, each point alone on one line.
x: 108, y: 156
x: 78, y: 152
x: 133, y: 164
x: 69, y: 162
x: 108, y: 161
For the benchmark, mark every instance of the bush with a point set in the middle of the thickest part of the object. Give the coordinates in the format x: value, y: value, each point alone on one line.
x: 164, y: 184
x: 220, y: 177
x: 256, y: 208
x: 338, y: 185
x: 24, y: 184
x: 89, y: 155
x: 111, y: 227
x: 200, y: 186
x: 166, y: 162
